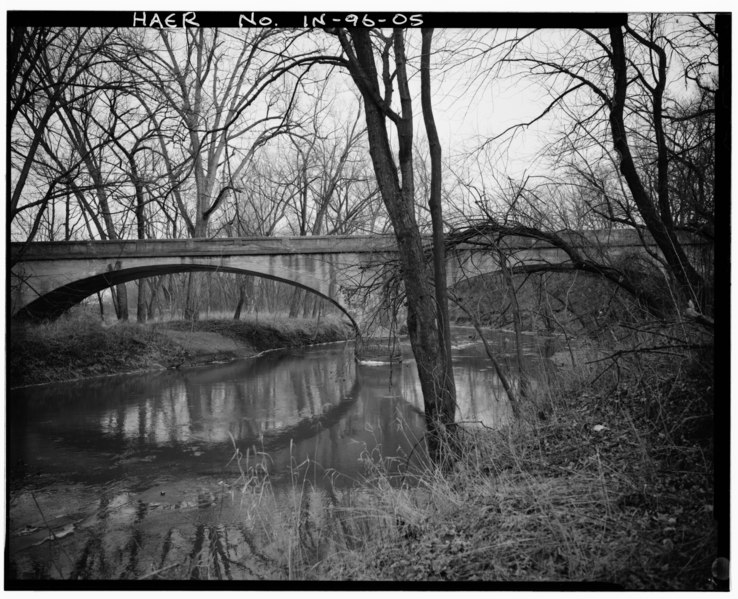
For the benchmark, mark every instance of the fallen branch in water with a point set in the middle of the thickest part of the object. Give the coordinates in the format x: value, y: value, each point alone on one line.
x: 40, y: 511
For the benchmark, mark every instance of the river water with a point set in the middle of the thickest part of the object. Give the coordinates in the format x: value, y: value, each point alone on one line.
x: 122, y: 476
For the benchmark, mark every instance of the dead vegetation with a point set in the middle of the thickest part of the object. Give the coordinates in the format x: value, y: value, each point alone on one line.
x: 607, y: 478
x: 80, y: 346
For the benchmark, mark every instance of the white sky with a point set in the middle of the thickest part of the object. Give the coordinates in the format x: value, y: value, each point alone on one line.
x: 458, y: 122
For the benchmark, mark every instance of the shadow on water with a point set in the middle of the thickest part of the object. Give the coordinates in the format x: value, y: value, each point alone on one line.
x: 129, y: 475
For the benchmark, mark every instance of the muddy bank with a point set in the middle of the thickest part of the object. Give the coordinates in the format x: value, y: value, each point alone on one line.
x: 73, y: 349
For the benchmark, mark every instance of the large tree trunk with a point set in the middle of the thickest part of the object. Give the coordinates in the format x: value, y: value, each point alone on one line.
x: 439, y: 243
x: 436, y: 380
x: 659, y: 225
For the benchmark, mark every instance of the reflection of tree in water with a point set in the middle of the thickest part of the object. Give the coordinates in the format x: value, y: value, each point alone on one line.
x: 325, y: 408
x: 372, y: 417
x: 92, y: 562
x: 272, y: 440
x: 199, y: 406
x: 135, y: 542
x: 196, y: 552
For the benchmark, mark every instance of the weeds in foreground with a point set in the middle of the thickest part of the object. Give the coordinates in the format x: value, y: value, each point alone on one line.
x: 613, y: 485
x: 607, y: 476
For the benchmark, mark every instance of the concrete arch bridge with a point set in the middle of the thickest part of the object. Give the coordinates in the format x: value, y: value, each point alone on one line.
x: 47, y: 278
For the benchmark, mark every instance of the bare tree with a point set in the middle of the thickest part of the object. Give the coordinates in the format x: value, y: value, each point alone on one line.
x: 230, y: 95
x: 620, y: 152
x: 426, y: 315
x: 44, y: 66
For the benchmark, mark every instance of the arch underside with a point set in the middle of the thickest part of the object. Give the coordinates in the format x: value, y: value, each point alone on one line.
x: 53, y: 304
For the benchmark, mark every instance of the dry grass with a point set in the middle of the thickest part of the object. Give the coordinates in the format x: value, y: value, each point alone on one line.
x: 607, y: 476
x: 80, y: 345
x: 269, y: 333
x: 559, y: 499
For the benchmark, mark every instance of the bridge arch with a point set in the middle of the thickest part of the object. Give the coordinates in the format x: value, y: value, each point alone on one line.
x: 49, y: 277
x: 55, y: 302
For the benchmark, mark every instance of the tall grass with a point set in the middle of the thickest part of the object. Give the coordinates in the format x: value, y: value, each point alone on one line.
x: 605, y: 476
x: 598, y: 486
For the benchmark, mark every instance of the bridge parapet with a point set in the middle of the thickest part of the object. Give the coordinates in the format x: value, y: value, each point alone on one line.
x: 49, y: 277
x: 240, y: 246
x: 257, y: 246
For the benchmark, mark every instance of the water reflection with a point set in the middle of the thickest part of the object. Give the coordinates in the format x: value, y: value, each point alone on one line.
x: 292, y: 405
x: 245, y: 400
x: 315, y: 403
x: 135, y: 459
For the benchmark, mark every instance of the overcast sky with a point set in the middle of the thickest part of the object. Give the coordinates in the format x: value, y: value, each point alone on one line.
x: 467, y: 112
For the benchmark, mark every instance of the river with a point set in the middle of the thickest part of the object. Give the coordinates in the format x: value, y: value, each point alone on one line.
x: 124, y: 476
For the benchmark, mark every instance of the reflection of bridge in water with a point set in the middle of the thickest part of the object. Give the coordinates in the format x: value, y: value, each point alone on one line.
x: 318, y: 403
x: 47, y: 278
x: 144, y: 459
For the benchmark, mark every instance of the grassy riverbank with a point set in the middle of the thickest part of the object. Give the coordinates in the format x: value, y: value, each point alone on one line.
x: 81, y: 347
x: 563, y: 499
x: 614, y: 484
x: 608, y: 476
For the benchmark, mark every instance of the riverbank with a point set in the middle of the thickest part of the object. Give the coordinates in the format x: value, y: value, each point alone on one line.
x: 75, y: 348
x: 607, y: 477
x: 614, y: 485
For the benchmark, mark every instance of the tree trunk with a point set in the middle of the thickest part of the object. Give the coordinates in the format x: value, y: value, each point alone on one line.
x: 241, y: 300
x: 439, y: 242
x: 209, y: 281
x: 689, y: 280
x: 122, y: 302
x: 192, y: 301
x: 517, y: 320
x: 154, y: 285
x: 298, y: 297
x: 141, y: 304
x: 317, y: 309
x: 119, y: 295
x: 427, y: 343
x: 141, y: 312
x: 102, y: 306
